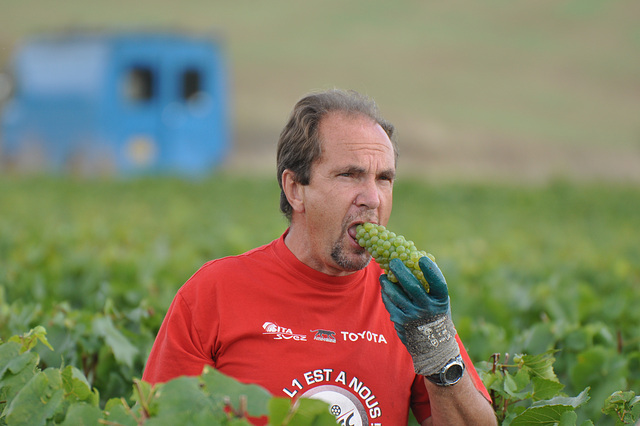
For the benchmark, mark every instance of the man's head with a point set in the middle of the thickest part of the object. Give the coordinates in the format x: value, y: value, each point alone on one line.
x: 300, y: 146
x: 337, y: 171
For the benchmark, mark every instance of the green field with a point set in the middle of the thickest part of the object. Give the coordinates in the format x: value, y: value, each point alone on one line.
x: 524, y: 90
x: 529, y: 269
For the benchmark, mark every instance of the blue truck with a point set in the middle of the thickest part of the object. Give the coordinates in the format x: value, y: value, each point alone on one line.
x: 117, y: 103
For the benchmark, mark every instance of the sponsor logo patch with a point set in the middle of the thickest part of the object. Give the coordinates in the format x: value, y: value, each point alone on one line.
x: 324, y: 335
x: 282, y: 333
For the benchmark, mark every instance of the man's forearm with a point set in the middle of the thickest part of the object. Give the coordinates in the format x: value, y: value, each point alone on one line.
x: 460, y: 404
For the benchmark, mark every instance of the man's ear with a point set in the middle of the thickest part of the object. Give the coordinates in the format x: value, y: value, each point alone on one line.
x: 293, y: 190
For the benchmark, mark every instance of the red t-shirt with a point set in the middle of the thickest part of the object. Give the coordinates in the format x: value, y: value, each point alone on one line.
x: 266, y: 318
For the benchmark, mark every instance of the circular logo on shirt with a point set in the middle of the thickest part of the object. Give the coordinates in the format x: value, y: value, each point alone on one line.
x: 345, y: 406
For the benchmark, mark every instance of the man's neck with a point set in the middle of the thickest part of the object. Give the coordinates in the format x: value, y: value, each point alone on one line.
x: 298, y: 243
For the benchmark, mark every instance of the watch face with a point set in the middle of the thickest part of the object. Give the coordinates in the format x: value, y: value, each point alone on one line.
x: 450, y: 374
x: 453, y: 373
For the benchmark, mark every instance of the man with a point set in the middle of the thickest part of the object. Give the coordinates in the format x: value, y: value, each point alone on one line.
x: 308, y: 315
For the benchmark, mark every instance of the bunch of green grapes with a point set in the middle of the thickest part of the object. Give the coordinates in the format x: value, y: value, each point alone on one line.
x: 384, y: 245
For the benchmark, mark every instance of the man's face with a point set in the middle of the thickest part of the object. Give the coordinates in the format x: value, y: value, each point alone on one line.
x: 351, y: 183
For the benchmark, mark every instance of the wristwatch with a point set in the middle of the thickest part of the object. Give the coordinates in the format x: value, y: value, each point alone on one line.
x: 450, y: 374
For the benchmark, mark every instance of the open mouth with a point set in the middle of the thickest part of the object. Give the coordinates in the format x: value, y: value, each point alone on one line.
x: 352, y: 231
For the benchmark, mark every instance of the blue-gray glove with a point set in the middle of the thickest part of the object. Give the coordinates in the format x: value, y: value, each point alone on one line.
x: 422, y: 320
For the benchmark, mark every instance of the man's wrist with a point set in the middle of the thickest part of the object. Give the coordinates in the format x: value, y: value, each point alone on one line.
x: 450, y: 374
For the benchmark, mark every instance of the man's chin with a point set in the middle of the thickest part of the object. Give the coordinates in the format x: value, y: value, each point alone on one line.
x: 354, y: 263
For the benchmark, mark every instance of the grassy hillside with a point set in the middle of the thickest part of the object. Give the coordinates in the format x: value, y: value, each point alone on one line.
x: 526, y: 89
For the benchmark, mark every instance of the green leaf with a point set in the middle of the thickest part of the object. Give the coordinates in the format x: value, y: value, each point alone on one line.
x: 539, y: 338
x: 494, y: 381
x: 278, y: 410
x: 31, y: 338
x: 304, y: 412
x: 522, y: 379
x: 81, y: 414
x: 145, y: 395
x: 16, y: 369
x: 545, y: 389
x: 540, y: 365
x: 122, y: 349
x: 590, y: 365
x: 182, y: 401
x: 311, y: 412
x: 38, y: 400
x: 578, y: 340
x: 621, y: 404
x: 550, y: 412
x: 116, y: 412
x: 543, y: 415
x: 513, y: 387
x: 24, y: 361
x: 77, y: 388
x: 621, y: 397
x: 568, y: 401
x: 222, y: 387
x: 568, y: 418
x: 9, y: 351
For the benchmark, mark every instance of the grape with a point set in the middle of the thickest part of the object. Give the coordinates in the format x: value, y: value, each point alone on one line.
x: 384, y: 245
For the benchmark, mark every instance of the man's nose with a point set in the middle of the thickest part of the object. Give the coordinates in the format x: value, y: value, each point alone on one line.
x: 369, y: 195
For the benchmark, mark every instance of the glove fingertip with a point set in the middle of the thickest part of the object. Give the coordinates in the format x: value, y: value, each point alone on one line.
x: 427, y: 260
x: 430, y: 269
x: 395, y: 265
x: 384, y: 283
x: 401, y: 272
x: 433, y: 275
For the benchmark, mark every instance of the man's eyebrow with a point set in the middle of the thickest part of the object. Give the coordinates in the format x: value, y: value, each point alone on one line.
x: 388, y: 174
x: 350, y: 169
x: 357, y: 170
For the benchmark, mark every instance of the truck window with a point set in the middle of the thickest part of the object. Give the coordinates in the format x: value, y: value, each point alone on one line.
x: 138, y: 84
x: 191, y: 85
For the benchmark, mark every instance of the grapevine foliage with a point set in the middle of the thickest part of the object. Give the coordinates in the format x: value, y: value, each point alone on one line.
x: 527, y: 391
x: 31, y: 395
x: 95, y: 263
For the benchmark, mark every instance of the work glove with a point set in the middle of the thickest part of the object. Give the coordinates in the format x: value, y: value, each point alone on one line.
x: 422, y: 320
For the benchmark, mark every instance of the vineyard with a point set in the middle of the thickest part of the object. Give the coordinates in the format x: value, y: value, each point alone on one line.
x: 544, y: 282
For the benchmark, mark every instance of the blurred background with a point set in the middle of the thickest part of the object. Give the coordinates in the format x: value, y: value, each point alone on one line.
x: 519, y: 133
x: 526, y: 91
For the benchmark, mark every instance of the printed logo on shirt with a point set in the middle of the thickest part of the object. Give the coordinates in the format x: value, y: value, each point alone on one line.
x: 342, y: 404
x: 351, y: 401
x: 366, y: 335
x: 324, y: 335
x: 282, y: 333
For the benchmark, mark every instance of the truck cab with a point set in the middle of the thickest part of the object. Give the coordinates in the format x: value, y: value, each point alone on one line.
x: 125, y: 103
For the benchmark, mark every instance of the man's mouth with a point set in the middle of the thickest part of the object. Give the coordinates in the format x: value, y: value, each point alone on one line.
x: 353, y: 232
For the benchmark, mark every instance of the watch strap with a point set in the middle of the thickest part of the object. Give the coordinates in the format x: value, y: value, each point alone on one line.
x: 450, y: 374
